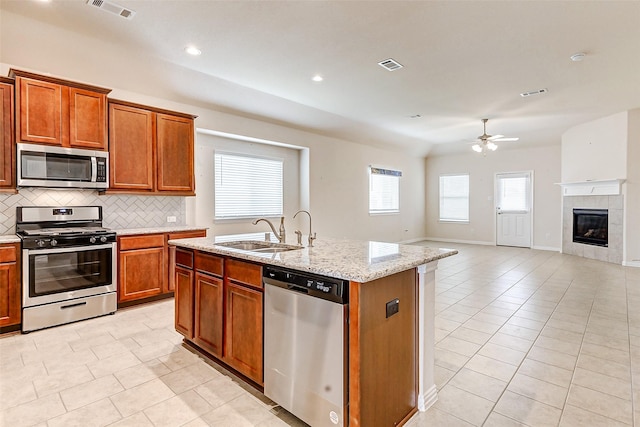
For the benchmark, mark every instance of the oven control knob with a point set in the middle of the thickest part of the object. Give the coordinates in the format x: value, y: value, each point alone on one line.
x: 54, y: 242
x: 103, y: 239
x: 92, y: 239
x: 40, y: 243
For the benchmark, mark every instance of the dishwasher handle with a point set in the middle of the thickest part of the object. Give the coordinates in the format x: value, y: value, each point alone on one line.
x: 285, y: 285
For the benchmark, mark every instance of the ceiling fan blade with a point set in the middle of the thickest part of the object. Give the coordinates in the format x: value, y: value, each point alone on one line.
x: 505, y: 139
x: 494, y: 137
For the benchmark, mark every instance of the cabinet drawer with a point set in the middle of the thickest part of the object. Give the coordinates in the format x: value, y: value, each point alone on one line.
x: 141, y: 242
x: 187, y: 234
x: 244, y: 272
x: 209, y: 264
x: 8, y: 254
x: 184, y: 258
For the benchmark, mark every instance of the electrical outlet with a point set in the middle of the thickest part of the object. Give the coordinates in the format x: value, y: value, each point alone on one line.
x: 171, y: 219
x: 393, y: 307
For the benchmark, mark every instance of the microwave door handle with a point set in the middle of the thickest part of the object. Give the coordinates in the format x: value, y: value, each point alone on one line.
x: 94, y: 169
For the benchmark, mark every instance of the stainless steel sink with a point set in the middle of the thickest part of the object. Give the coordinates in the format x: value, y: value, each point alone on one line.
x: 258, y: 246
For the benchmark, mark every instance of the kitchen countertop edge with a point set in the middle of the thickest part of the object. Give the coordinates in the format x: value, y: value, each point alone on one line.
x: 156, y: 230
x: 9, y: 238
x: 342, y: 259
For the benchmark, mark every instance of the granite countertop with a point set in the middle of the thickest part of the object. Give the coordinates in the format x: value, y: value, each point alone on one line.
x: 9, y: 238
x: 360, y: 261
x: 154, y: 230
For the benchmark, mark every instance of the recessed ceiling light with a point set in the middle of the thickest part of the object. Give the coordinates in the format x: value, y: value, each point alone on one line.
x: 192, y: 50
x: 577, y: 57
x: 317, y: 78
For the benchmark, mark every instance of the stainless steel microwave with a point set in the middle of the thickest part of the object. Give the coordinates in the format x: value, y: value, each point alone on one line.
x: 59, y: 167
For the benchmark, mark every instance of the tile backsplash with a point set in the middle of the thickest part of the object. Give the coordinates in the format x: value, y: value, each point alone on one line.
x: 119, y: 211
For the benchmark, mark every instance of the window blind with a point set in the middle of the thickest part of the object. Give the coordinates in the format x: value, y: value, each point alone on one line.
x: 454, y: 198
x: 247, y: 187
x: 384, y: 191
x: 513, y: 193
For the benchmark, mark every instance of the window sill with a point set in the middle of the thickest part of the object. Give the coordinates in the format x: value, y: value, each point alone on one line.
x: 384, y: 213
x: 453, y: 221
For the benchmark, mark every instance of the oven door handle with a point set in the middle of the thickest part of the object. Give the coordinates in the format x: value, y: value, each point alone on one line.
x: 67, y: 250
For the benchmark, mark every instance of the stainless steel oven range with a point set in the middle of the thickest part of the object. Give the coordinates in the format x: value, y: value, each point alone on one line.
x: 68, y: 265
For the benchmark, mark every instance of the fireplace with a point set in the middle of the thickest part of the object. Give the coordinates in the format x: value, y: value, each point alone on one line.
x: 591, y: 226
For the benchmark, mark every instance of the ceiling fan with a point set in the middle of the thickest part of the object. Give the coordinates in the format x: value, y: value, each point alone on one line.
x: 488, y: 142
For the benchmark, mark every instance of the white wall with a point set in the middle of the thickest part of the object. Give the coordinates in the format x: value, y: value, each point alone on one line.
x: 595, y: 150
x: 204, y: 207
x: 543, y: 161
x: 632, y: 207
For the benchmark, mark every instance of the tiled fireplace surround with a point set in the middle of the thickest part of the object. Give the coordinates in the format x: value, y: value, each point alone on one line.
x: 615, y: 205
x: 119, y: 211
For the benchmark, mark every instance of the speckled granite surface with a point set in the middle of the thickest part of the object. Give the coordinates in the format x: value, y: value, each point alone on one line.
x: 360, y: 261
x: 9, y: 238
x: 152, y: 230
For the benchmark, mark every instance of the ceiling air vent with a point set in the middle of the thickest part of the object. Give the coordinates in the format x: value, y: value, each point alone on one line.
x: 112, y: 8
x: 533, y: 92
x: 390, y: 64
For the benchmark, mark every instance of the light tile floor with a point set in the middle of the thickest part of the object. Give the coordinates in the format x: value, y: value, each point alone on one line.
x: 523, y: 337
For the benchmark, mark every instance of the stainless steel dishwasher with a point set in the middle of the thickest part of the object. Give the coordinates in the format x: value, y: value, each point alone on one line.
x: 304, y: 345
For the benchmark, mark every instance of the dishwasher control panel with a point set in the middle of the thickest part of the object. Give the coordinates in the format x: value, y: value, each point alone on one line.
x: 315, y: 285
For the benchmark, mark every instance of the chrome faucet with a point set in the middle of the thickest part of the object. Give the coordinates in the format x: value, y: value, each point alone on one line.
x: 311, y: 237
x: 279, y: 235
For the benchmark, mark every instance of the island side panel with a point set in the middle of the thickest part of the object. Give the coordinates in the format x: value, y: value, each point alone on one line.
x: 383, y: 353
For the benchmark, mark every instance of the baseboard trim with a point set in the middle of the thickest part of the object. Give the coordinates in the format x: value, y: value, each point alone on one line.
x: 408, y: 242
x: 631, y: 264
x: 426, y: 400
x: 547, y: 248
x: 466, y: 242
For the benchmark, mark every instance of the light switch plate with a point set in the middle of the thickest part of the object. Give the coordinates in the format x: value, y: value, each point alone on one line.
x: 171, y: 219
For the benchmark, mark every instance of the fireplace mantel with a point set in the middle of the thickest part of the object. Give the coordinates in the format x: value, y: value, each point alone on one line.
x: 605, y: 187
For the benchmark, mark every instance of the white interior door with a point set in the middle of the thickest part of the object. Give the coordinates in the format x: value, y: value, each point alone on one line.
x: 513, y: 209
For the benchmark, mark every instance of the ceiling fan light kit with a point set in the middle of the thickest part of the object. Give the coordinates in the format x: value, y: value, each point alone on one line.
x: 486, y: 142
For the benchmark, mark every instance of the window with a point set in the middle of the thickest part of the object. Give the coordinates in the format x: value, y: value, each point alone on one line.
x: 513, y: 191
x: 454, y: 198
x: 247, y: 187
x: 384, y: 191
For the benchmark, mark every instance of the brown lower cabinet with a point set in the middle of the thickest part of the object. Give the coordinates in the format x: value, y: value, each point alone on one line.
x: 243, y: 330
x: 10, y: 309
x: 143, y: 271
x: 219, y: 308
x: 141, y: 267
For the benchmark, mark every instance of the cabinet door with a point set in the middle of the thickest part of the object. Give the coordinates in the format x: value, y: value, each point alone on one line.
x: 243, y: 330
x: 208, y: 313
x: 175, y: 153
x: 131, y: 141
x: 9, y: 285
x: 142, y: 273
x: 183, y: 279
x: 7, y: 159
x: 42, y: 110
x: 87, y: 119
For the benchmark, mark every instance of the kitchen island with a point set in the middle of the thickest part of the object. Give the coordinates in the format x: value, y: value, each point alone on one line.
x: 389, y: 355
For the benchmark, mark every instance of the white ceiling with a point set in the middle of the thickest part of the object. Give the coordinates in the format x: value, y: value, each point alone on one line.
x: 463, y: 61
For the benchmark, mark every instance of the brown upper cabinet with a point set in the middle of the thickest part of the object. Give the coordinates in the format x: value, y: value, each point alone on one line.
x: 150, y: 150
x: 52, y: 111
x: 7, y: 146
